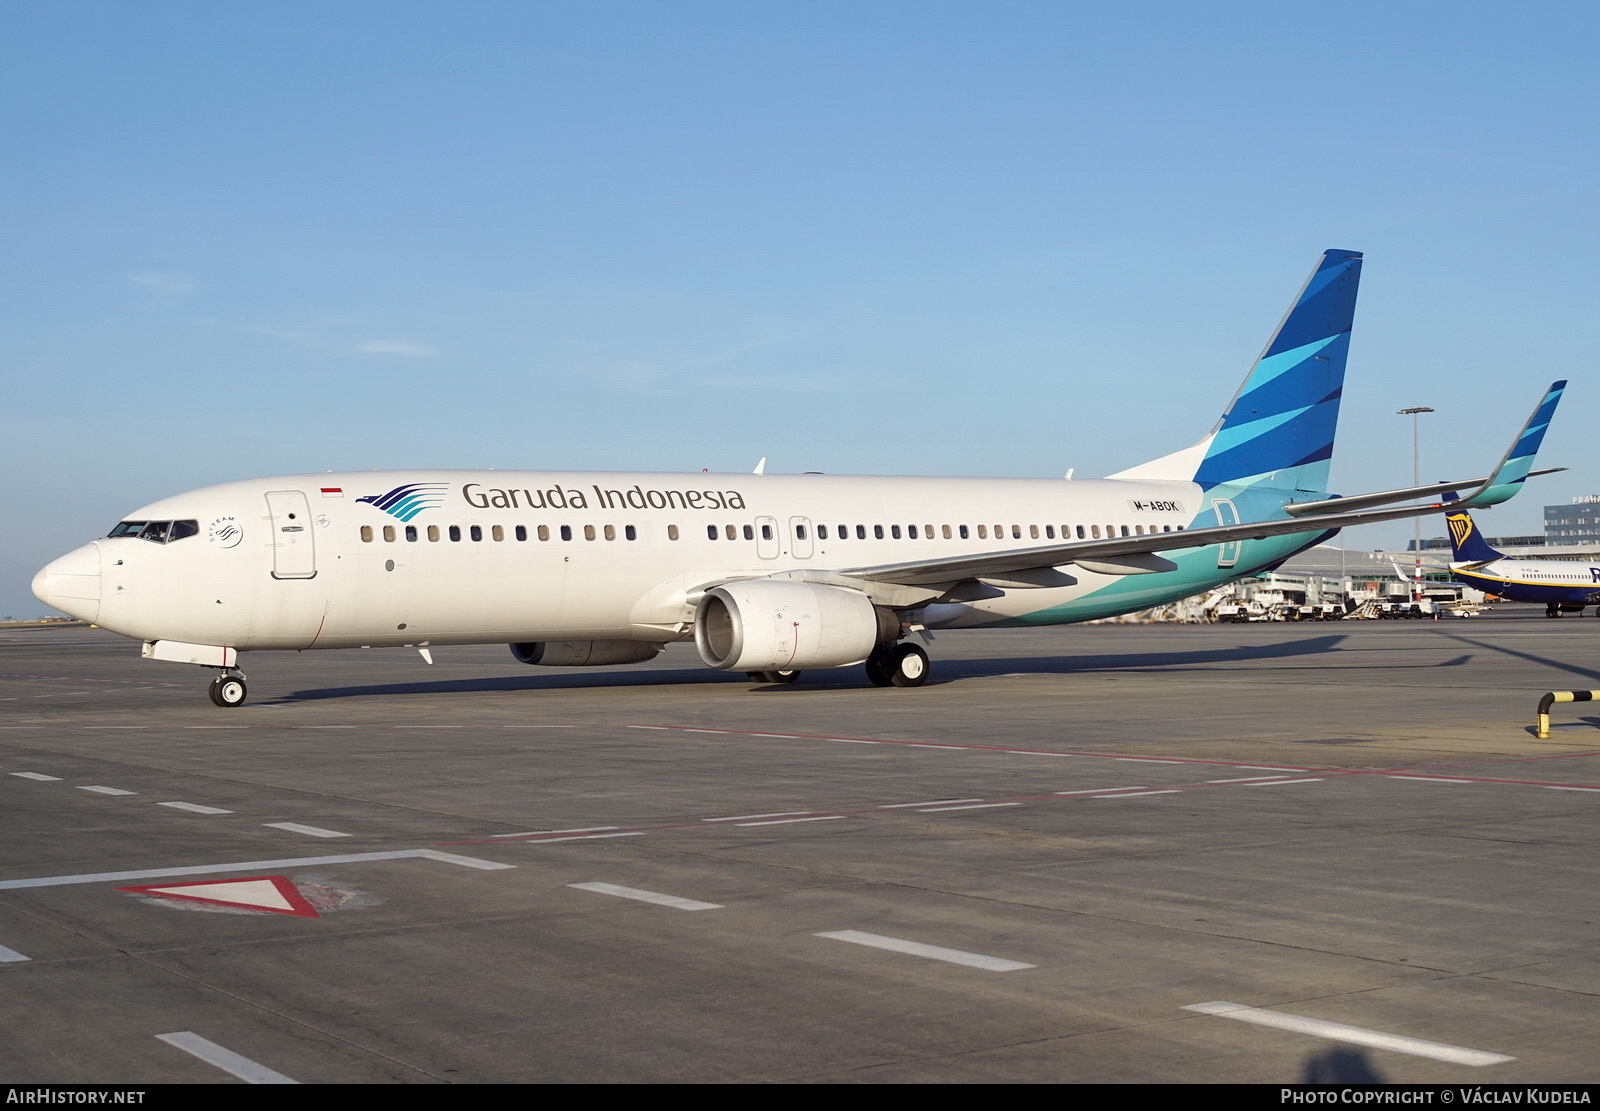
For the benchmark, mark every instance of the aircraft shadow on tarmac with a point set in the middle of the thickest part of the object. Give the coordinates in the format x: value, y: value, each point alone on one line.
x: 945, y: 671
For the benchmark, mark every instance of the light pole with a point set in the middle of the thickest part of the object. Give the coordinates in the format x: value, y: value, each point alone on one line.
x: 1416, y: 480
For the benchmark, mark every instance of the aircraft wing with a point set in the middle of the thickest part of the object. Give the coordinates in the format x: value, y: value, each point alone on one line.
x: 1137, y: 554
x: 1117, y: 551
x: 1502, y: 484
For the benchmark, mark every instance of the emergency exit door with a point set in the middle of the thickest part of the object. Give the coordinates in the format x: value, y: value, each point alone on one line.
x: 294, y: 554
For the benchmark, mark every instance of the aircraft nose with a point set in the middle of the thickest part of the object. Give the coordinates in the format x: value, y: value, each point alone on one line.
x: 72, y: 583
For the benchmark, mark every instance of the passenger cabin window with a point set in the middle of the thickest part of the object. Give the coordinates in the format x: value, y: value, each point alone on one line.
x: 611, y: 532
x: 1033, y: 532
x: 877, y: 532
x: 498, y: 532
x: 566, y: 532
x: 630, y: 532
x: 712, y: 533
x: 822, y: 532
x: 411, y: 533
x: 964, y: 535
x: 766, y: 532
x: 733, y: 533
x: 1095, y: 529
x: 1080, y: 532
x: 749, y: 532
x: 388, y: 534
x: 522, y: 532
x: 455, y: 532
x: 800, y: 532
x: 433, y: 532
x: 894, y: 531
x: 946, y: 531
x: 588, y: 532
x: 1016, y: 532
x: 672, y: 532
x: 983, y: 532
x: 861, y: 532
x: 476, y: 532
x: 366, y: 534
x: 1049, y: 532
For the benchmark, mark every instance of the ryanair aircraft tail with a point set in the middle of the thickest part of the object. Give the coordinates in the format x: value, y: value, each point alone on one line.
x: 1278, y: 431
x: 1467, y: 544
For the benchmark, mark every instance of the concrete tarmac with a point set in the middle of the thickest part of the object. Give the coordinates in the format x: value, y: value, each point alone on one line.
x: 1024, y: 871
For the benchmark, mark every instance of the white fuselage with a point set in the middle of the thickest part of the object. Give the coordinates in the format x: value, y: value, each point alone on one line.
x: 302, y: 561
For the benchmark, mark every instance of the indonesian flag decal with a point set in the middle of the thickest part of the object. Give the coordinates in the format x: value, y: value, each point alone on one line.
x: 333, y: 491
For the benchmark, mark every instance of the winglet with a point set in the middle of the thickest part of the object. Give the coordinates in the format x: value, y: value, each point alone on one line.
x: 1513, y: 470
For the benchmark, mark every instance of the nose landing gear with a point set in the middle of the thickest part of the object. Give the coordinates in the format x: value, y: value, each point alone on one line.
x: 228, y: 690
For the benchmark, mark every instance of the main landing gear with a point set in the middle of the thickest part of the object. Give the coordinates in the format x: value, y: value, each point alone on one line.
x: 775, y: 677
x: 228, y: 690
x: 898, y: 665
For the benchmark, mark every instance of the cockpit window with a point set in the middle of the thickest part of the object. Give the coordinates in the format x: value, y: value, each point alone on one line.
x: 157, y: 532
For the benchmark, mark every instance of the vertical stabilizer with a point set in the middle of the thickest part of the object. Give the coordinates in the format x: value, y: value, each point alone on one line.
x: 1279, y: 429
x: 1467, y: 544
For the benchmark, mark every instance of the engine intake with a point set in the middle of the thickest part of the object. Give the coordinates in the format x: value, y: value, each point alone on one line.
x: 584, y: 653
x: 785, y: 625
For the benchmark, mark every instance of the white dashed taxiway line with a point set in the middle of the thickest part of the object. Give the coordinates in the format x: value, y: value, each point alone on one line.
x: 974, y: 806
x: 225, y: 1059
x: 40, y: 776
x: 1355, y: 1035
x: 108, y: 790
x: 933, y: 952
x: 646, y: 896
x: 309, y: 831
x: 195, y: 808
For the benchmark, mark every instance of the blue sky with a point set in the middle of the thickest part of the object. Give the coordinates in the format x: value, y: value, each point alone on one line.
x: 868, y: 237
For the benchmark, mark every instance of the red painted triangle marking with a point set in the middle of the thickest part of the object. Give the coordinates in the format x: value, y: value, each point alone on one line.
x: 219, y: 890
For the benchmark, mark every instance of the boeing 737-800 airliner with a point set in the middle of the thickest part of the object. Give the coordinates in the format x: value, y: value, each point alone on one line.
x: 1562, y: 585
x: 770, y: 574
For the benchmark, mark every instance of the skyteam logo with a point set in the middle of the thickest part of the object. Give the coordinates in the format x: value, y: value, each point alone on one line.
x: 405, y: 502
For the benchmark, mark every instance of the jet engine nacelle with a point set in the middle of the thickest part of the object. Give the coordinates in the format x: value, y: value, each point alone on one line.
x: 785, y: 625
x: 584, y: 653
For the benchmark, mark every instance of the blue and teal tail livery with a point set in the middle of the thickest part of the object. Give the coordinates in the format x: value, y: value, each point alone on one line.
x: 1467, y: 544
x: 1513, y: 470
x: 1279, y: 429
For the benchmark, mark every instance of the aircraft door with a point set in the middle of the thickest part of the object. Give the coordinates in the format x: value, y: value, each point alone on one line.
x: 800, y: 537
x: 293, y: 548
x: 768, y: 543
x: 1227, y: 554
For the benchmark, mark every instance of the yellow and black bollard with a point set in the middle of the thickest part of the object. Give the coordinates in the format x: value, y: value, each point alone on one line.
x: 1542, y: 730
